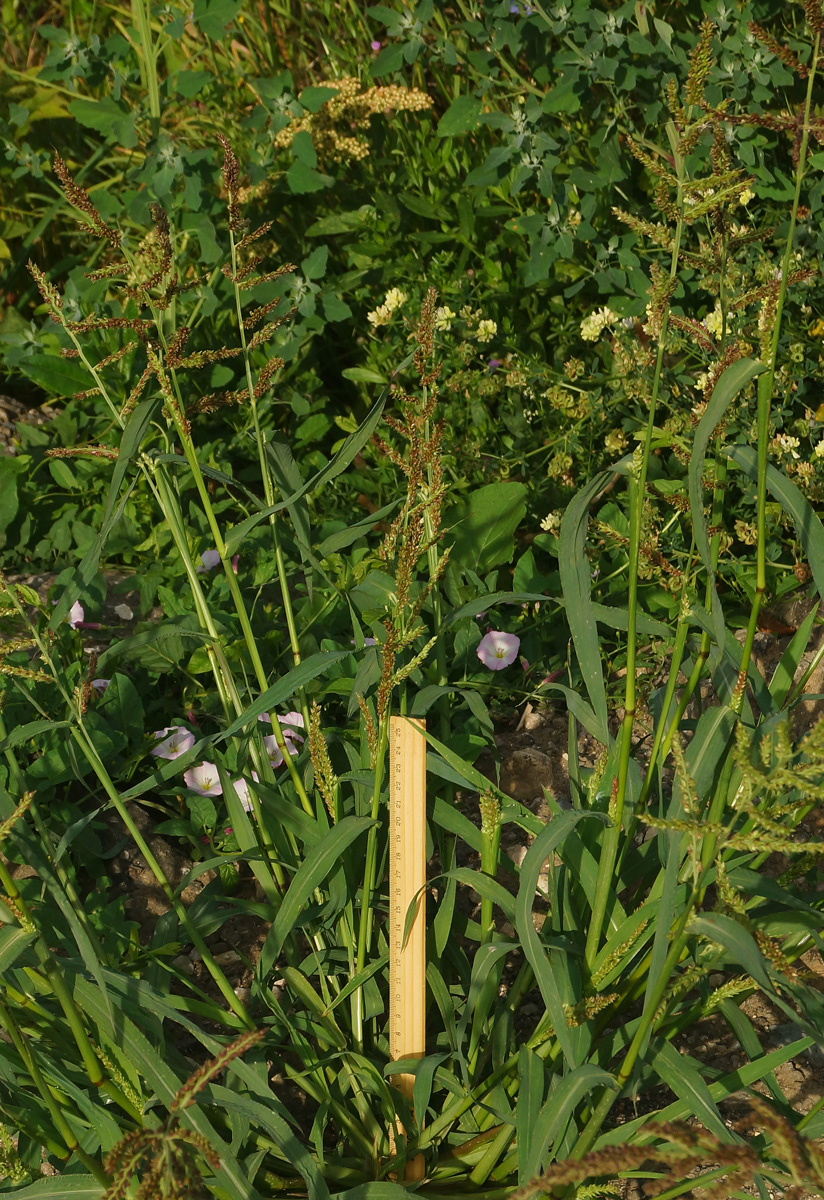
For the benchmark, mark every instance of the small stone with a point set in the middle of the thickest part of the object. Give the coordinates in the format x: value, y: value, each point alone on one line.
x: 183, y: 963
x: 124, y: 612
x: 243, y: 994
x: 228, y: 959
x: 716, y: 979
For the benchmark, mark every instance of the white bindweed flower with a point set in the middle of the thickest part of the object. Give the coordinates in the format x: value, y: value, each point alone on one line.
x: 497, y: 650
x: 203, y: 779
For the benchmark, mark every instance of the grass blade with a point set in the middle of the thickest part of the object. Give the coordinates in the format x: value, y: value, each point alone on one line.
x: 726, y: 389
x: 576, y: 585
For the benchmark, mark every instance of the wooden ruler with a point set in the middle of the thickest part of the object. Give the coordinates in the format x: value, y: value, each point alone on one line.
x: 407, y: 877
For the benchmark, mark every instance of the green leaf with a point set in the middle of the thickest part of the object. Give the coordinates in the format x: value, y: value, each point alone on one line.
x: 13, y: 941
x: 108, y: 117
x: 576, y: 585
x: 63, y: 1187
x: 24, y: 733
x: 320, y: 860
x: 303, y: 179
x: 264, y: 1117
x: 485, y: 524
x: 680, y: 1072
x: 10, y: 467
x: 204, y: 813
x: 726, y: 389
x: 214, y: 15
x: 362, y: 375
x: 123, y: 707
x: 784, y: 673
x: 313, y: 98
x: 792, y: 500
x: 191, y: 83
x: 549, y: 1127
x: 462, y: 116
x: 62, y: 376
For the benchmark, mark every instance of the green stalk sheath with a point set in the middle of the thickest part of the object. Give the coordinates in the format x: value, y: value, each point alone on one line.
x: 370, y: 869
x: 609, y: 852
x: 610, y: 1095
x: 268, y: 487
x: 766, y: 384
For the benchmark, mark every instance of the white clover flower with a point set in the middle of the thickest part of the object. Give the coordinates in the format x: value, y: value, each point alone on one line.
x: 486, y: 331
x: 745, y: 197
x: 394, y: 298
x: 593, y: 326
x: 551, y: 522
x: 819, y: 449
x: 383, y: 313
x: 444, y: 317
x: 789, y: 445
x: 714, y: 322
x: 615, y: 441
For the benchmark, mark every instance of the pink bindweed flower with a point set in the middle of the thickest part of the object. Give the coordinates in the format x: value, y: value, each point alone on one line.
x: 203, y: 779
x: 497, y: 650
x: 210, y: 559
x: 76, y: 615
x: 177, y: 741
x: 274, y: 751
x: 524, y: 664
x: 375, y: 47
x: 101, y: 684
x: 242, y: 792
x: 370, y: 641
x: 287, y: 722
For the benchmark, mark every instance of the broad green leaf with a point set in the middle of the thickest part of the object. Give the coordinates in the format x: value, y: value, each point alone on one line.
x: 484, y: 526
x: 10, y: 467
x: 576, y: 585
x: 303, y: 179
x: 315, y: 868
x: 212, y: 16
x: 109, y: 117
x: 462, y: 116
x: 62, y: 376
x: 343, y: 538
x: 123, y: 707
x: 362, y: 375
x: 726, y: 389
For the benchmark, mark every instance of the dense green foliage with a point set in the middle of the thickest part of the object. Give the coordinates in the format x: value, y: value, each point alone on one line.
x: 365, y: 331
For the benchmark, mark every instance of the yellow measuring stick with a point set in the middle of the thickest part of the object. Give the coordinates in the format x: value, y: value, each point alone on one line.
x: 407, y: 877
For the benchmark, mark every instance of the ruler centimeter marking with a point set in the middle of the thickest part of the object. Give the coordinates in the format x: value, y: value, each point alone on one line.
x: 407, y: 876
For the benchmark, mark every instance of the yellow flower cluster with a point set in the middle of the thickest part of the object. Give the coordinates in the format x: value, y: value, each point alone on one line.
x: 331, y: 127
